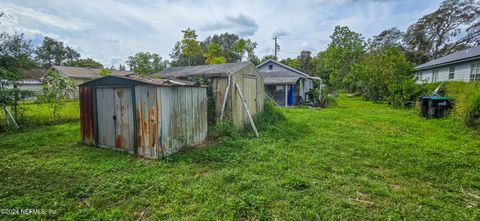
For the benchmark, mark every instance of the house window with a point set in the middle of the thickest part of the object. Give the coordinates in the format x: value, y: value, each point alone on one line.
x: 451, y: 73
x: 434, y: 76
x: 475, y: 72
x: 270, y: 67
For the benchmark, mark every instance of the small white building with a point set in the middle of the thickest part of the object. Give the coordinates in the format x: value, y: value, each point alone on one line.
x: 459, y: 66
x: 285, y: 84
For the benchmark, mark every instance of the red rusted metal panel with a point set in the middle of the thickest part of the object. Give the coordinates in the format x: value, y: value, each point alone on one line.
x: 86, y: 114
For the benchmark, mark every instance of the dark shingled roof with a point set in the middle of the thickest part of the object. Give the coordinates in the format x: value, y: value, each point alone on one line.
x: 212, y: 70
x: 459, y: 56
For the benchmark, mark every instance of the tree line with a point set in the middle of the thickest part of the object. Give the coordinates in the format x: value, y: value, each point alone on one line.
x: 369, y: 67
x: 382, y: 68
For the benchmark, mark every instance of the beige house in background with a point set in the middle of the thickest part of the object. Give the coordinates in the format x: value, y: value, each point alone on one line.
x: 81, y: 74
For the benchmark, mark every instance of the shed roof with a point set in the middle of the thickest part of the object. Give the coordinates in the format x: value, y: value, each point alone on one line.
x: 459, y: 56
x: 287, y: 72
x: 86, y: 73
x: 135, y: 79
x: 212, y: 70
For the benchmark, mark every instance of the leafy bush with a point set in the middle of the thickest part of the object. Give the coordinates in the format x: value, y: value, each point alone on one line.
x: 467, y: 102
x: 57, y: 91
x: 221, y: 129
x: 263, y: 121
x: 385, y: 75
x: 466, y: 109
x: 271, y: 114
x: 402, y: 92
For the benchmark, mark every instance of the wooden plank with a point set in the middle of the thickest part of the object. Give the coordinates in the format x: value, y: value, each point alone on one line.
x: 250, y: 93
x: 244, y: 102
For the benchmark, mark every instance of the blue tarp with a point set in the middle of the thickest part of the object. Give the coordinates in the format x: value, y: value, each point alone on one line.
x: 291, y: 95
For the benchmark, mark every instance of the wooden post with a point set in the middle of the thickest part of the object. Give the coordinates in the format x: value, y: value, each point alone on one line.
x: 11, y: 118
x: 268, y: 96
x: 245, y: 106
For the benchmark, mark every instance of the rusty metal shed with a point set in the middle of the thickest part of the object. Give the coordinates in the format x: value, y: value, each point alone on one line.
x: 224, y: 79
x: 149, y: 117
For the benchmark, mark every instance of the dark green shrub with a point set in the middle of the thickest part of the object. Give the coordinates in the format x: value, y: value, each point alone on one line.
x: 467, y: 102
x: 271, y: 114
x: 221, y: 129
x: 466, y: 109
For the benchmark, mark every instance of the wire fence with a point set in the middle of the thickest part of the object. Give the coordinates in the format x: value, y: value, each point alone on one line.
x: 31, y: 113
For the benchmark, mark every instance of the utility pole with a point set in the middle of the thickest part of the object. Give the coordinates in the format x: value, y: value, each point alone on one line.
x: 276, y: 47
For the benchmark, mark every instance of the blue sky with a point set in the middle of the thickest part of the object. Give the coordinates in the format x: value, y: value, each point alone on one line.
x: 111, y: 30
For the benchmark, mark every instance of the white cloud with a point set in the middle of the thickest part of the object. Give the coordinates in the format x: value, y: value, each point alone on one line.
x: 45, y: 18
x: 112, y: 30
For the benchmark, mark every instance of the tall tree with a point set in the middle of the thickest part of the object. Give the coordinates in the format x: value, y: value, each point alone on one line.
x: 84, y: 62
x: 187, y: 51
x: 190, y: 45
x: 226, y: 45
x: 145, y: 63
x: 291, y: 62
x: 305, y: 62
x: 390, y: 37
x: 267, y: 57
x: 53, y: 52
x: 232, y: 47
x: 335, y: 63
x: 385, y: 75
x: 15, y: 57
x: 455, y: 25
x: 214, y: 54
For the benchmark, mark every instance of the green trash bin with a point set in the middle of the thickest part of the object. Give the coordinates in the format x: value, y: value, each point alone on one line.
x: 435, y: 106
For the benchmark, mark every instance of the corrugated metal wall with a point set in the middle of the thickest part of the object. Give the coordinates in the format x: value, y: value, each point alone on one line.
x: 169, y: 118
x: 86, y: 115
x: 166, y: 118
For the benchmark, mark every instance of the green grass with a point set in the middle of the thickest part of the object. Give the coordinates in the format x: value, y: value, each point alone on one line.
x: 32, y: 114
x: 358, y: 161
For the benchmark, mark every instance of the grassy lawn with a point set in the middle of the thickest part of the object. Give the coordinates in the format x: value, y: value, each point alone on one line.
x: 34, y: 114
x: 358, y: 161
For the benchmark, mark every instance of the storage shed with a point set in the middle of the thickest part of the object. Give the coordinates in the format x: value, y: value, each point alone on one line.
x: 224, y: 79
x: 149, y: 117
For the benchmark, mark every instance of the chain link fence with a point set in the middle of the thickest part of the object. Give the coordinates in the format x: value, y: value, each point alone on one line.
x: 31, y: 113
